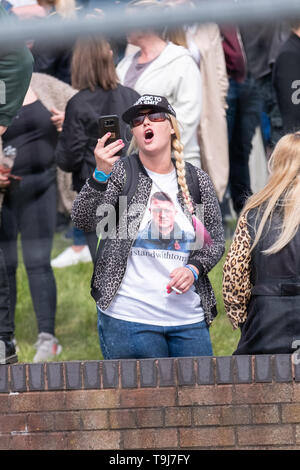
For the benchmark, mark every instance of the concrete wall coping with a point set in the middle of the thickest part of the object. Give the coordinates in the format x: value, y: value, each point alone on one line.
x: 143, y: 373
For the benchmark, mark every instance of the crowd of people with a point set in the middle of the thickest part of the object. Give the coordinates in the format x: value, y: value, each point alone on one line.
x: 189, y: 100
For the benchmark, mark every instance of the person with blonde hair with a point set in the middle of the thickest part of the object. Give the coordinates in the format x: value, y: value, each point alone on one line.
x: 261, y: 280
x: 152, y: 301
x: 64, y: 8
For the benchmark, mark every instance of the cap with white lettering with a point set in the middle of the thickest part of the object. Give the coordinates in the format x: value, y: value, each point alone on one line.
x: 155, y: 102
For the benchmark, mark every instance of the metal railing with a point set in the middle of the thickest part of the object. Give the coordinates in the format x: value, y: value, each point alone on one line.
x: 115, y: 24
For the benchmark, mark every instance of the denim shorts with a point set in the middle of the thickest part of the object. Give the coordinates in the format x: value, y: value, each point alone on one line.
x: 121, y: 339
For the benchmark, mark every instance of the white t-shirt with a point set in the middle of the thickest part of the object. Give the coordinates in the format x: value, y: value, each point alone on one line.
x: 142, y: 296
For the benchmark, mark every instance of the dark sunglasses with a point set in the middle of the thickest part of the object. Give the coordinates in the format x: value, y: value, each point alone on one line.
x: 153, y: 117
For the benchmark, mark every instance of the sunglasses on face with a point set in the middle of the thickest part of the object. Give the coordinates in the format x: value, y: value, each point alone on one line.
x: 153, y: 117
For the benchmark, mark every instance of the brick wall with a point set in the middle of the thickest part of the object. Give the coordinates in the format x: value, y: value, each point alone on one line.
x: 240, y: 402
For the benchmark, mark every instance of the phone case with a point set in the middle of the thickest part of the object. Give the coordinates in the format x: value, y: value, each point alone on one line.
x: 109, y: 123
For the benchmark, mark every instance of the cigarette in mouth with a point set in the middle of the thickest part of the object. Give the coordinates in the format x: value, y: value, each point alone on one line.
x: 176, y: 290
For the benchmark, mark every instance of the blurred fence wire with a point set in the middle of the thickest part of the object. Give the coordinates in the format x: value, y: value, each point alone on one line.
x: 115, y: 24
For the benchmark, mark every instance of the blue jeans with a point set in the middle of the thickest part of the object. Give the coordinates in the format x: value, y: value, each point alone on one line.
x: 78, y: 237
x: 128, y: 340
x: 85, y: 238
x: 243, y: 116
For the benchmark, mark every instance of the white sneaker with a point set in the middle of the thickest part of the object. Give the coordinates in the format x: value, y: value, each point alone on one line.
x: 69, y: 257
x: 16, y: 345
x: 47, y: 347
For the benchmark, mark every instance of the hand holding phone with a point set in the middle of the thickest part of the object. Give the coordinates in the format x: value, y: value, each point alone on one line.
x: 109, y: 143
x: 106, y: 155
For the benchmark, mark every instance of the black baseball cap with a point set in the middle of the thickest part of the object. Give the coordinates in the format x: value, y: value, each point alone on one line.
x: 155, y: 102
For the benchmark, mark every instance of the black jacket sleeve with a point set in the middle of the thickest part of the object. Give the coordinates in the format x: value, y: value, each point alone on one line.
x: 73, y: 140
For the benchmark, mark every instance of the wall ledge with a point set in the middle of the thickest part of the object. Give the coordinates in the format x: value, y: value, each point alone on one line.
x: 143, y: 373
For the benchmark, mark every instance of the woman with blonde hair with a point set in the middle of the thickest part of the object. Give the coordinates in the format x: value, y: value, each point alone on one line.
x: 261, y: 282
x: 153, y: 299
x: 64, y: 8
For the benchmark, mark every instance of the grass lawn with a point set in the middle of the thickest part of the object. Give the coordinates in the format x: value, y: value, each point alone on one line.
x: 76, y: 319
x: 224, y: 338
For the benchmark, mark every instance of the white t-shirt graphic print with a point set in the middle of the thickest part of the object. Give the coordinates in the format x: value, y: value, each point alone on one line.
x: 163, y: 244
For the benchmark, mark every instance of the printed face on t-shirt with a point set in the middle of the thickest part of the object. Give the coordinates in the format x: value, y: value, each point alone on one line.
x: 163, y: 215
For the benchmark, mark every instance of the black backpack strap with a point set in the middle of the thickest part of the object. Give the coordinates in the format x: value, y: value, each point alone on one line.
x: 193, y: 182
x: 131, y: 166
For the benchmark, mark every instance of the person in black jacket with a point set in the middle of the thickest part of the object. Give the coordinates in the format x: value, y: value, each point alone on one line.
x: 261, y: 282
x: 94, y: 75
x: 286, y: 80
x: 53, y: 59
x: 262, y: 43
x: 15, y: 74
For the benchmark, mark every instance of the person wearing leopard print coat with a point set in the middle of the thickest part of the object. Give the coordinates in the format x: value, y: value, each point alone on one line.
x: 261, y: 280
x: 152, y: 301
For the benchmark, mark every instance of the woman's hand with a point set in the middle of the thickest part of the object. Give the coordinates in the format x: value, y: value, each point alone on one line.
x: 2, y: 130
x: 57, y: 118
x: 181, y: 279
x: 106, y: 155
x: 4, y: 177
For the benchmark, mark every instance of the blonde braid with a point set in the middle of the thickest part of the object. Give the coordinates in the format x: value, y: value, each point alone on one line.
x: 177, y: 147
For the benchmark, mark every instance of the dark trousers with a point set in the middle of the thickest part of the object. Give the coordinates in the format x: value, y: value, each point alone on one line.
x: 31, y: 211
x: 271, y: 109
x: 92, y: 242
x: 6, y: 325
x: 243, y: 117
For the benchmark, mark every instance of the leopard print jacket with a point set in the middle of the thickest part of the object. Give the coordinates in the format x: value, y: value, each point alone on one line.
x: 236, y: 275
x: 88, y: 214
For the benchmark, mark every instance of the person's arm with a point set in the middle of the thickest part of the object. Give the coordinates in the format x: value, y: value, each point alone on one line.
x: 15, y: 74
x: 201, y: 261
x: 71, y: 150
x: 207, y: 257
x: 29, y: 11
x: 286, y: 77
x: 188, y: 99
x: 220, y: 65
x: 60, y: 93
x: 236, y: 275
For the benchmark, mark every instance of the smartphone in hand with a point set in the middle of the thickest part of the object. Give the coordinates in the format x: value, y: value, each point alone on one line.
x: 109, y: 123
